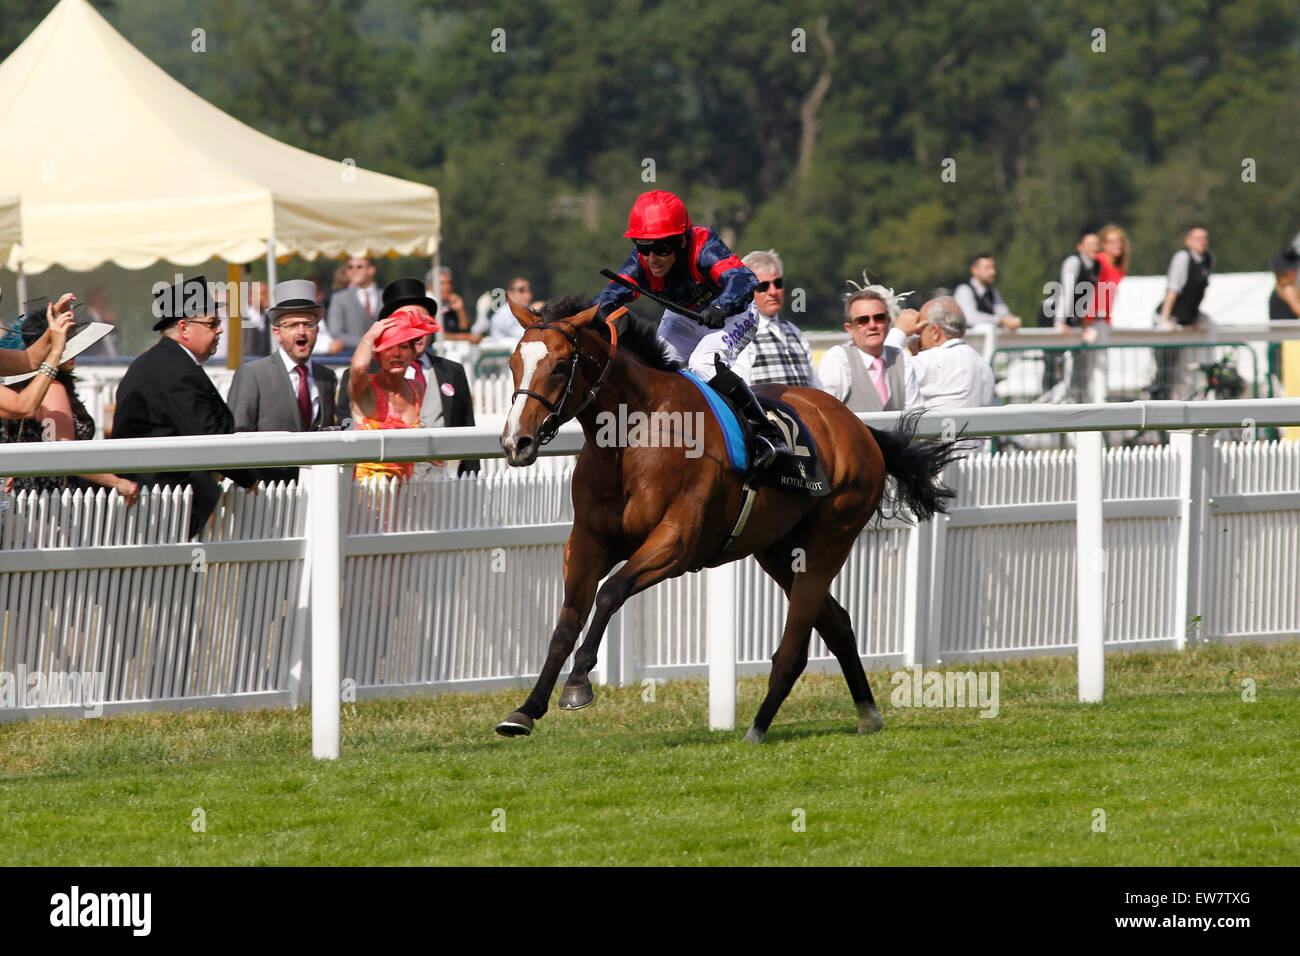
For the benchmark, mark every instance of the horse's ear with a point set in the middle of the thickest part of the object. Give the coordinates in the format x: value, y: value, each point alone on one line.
x: 526, y: 317
x: 582, y: 318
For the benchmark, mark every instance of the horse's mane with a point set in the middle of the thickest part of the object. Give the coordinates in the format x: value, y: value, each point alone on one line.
x: 637, y: 336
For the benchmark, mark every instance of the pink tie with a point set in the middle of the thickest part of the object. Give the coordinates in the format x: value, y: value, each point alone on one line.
x: 878, y: 376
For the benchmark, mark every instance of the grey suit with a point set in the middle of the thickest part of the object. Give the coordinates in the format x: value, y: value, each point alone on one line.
x: 262, y: 397
x: 863, y: 396
x: 346, y: 319
x: 262, y: 400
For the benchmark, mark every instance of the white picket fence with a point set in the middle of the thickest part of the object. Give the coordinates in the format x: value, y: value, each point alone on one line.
x: 454, y: 585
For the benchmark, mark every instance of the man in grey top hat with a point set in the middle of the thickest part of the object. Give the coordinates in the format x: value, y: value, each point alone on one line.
x: 286, y: 391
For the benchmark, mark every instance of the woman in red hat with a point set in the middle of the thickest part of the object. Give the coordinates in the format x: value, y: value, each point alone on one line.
x: 388, y: 399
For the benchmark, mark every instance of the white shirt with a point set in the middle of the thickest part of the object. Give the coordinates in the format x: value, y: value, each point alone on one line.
x: 312, y: 390
x: 965, y: 296
x: 837, y: 378
x: 952, y: 375
x: 504, y: 326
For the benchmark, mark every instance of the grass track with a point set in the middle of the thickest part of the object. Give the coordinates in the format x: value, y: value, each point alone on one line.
x: 1186, y: 771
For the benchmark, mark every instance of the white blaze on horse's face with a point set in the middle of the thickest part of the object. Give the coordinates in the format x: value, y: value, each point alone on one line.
x: 531, y: 355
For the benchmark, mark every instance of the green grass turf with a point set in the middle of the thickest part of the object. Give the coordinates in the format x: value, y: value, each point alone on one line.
x: 1186, y: 772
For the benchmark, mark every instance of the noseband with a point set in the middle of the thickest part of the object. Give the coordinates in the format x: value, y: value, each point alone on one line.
x: 550, y: 425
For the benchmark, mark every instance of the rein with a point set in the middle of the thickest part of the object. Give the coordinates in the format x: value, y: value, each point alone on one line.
x: 550, y: 426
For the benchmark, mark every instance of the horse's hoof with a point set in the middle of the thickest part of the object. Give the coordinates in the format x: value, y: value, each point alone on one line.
x: 869, y: 719
x: 517, y: 724
x: 754, y: 735
x: 576, y: 696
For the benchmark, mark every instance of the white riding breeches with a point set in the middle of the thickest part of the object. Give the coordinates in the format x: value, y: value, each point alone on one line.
x: 695, y: 346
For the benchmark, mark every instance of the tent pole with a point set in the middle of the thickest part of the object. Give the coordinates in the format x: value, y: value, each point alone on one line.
x: 270, y: 264
x: 234, y: 315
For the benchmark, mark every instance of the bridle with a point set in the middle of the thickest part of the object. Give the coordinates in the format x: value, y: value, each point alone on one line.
x: 550, y: 425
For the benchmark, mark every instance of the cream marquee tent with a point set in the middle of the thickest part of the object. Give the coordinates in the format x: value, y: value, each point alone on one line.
x: 114, y: 161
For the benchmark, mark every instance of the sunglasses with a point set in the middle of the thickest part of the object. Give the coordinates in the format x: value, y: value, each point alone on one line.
x: 657, y: 247
x: 882, y: 317
x: 778, y: 282
x: 212, y: 324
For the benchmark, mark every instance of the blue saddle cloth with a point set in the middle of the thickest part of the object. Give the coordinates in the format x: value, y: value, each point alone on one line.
x: 801, y: 472
x: 737, y: 448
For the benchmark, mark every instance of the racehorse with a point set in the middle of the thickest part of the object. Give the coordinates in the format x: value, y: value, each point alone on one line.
x: 665, y: 513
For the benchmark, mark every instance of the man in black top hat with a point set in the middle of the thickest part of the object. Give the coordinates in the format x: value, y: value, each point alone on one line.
x: 166, y: 391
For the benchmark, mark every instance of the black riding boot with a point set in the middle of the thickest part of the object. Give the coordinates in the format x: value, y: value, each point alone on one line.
x: 734, y: 388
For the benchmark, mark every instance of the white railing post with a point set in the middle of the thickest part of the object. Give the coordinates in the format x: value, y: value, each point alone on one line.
x: 1091, y: 566
x: 720, y: 619
x: 324, y: 544
x: 930, y: 638
x: 1194, y: 453
x: 917, y: 575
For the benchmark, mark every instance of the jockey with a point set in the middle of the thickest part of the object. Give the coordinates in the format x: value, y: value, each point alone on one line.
x: 691, y: 265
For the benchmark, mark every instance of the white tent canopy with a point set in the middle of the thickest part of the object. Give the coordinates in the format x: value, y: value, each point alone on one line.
x: 10, y: 224
x: 114, y: 161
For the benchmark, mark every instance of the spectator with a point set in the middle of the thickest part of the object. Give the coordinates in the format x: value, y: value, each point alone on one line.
x: 256, y: 328
x: 98, y: 310
x: 1188, y: 278
x: 286, y: 391
x: 502, y: 326
x: 453, y: 318
x: 866, y: 373
x: 352, y: 310
x: 1112, y: 265
x: 42, y: 358
x: 779, y: 354
x: 61, y: 415
x: 1072, y: 299
x: 1284, y: 302
x: 447, y: 406
x: 450, y: 404
x: 949, y: 373
x: 387, y: 399
x: 166, y: 392
x: 980, y: 302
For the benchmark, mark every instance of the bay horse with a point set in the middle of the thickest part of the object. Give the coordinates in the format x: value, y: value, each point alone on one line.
x: 666, y: 513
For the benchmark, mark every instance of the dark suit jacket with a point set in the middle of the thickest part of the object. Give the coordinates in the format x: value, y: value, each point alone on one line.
x: 457, y: 408
x: 262, y: 400
x: 165, y: 392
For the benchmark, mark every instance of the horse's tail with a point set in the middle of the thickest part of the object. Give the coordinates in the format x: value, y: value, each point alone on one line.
x: 916, y: 466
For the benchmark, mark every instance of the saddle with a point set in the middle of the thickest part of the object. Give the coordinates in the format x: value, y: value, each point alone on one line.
x: 800, y: 473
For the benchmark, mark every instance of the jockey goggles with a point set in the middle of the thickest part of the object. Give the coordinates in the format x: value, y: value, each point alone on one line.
x: 658, y: 247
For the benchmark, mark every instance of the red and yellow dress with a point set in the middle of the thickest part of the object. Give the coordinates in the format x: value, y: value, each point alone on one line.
x: 386, y: 417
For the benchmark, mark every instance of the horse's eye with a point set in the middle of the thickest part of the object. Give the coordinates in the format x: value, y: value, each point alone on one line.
x: 561, y: 368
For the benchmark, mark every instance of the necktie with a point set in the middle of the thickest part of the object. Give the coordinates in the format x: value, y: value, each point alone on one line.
x: 878, y: 377
x: 365, y: 297
x: 304, y: 398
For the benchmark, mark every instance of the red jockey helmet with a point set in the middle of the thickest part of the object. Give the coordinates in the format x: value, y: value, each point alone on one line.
x: 657, y: 215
